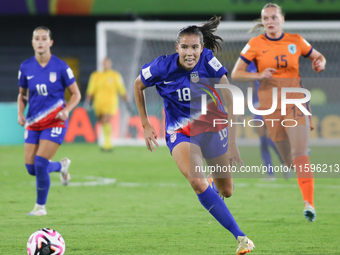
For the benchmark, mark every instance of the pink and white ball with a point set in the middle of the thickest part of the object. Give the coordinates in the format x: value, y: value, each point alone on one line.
x: 46, y: 241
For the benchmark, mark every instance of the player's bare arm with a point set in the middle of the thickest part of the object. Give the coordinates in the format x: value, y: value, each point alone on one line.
x: 150, y: 133
x: 22, y: 101
x: 239, y: 72
x: 318, y: 61
x: 74, y: 100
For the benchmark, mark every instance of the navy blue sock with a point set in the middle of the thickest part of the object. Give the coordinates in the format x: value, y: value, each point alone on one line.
x: 54, y: 167
x: 272, y: 144
x: 265, y: 154
x: 30, y: 169
x: 43, y: 179
x: 216, y: 206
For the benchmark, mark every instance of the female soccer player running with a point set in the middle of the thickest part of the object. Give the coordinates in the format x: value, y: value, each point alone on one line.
x: 43, y: 80
x: 191, y: 135
x: 276, y: 55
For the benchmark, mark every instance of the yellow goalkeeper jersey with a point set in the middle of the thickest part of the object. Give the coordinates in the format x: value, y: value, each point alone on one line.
x: 105, y: 86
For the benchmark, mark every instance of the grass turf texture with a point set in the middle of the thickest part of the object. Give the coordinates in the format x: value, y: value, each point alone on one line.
x: 151, y: 209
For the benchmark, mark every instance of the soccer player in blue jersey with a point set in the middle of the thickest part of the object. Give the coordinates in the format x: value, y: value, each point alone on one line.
x: 190, y: 135
x: 265, y: 141
x: 43, y: 80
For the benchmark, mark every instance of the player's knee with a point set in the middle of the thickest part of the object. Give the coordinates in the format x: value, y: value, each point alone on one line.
x: 227, y: 192
x: 41, y: 165
x: 30, y: 169
x: 198, y: 185
x: 296, y: 152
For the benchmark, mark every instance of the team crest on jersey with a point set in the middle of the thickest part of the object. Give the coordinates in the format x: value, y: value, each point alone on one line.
x: 53, y: 76
x: 194, y: 77
x: 292, y: 48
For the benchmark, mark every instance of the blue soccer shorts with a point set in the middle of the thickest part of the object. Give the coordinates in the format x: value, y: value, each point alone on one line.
x: 56, y: 134
x: 212, y: 144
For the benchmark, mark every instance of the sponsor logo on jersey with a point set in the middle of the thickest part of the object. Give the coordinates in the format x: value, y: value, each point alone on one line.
x: 146, y: 73
x: 167, y: 82
x: 70, y: 73
x: 53, y: 76
x: 194, y: 76
x: 215, y: 64
x: 173, y: 137
x: 245, y: 49
x: 292, y: 48
x: 306, y: 42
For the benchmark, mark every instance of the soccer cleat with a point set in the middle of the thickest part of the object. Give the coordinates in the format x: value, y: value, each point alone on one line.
x: 245, y: 245
x: 64, y: 174
x: 212, y: 185
x: 309, y: 212
x: 39, y: 210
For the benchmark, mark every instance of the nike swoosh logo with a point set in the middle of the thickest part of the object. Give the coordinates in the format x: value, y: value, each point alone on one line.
x: 166, y: 82
x: 30, y: 77
x: 265, y: 51
x: 224, y: 145
x: 54, y: 135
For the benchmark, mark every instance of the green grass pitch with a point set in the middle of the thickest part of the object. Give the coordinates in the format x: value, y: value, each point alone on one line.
x: 132, y: 201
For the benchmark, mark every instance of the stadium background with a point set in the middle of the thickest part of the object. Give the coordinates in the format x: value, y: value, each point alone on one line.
x: 132, y: 201
x: 73, y: 24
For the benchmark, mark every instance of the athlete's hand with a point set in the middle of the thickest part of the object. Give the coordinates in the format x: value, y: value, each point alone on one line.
x: 21, y: 120
x: 317, y: 66
x: 62, y: 115
x: 150, y: 136
x: 234, y: 155
x: 267, y: 73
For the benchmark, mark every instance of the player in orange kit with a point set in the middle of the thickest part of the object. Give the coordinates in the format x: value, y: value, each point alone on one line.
x: 276, y: 55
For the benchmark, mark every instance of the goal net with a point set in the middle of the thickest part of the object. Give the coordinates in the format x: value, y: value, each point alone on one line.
x: 132, y: 44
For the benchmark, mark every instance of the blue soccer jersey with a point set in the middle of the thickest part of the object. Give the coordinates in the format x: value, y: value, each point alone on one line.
x: 182, y: 92
x: 46, y: 87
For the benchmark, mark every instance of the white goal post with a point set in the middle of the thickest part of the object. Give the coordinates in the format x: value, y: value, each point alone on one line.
x: 132, y: 44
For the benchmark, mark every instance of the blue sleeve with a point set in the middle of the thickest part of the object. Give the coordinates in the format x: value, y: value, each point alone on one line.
x: 213, y: 66
x: 252, y: 68
x: 67, y: 76
x: 151, y: 73
x: 22, y: 78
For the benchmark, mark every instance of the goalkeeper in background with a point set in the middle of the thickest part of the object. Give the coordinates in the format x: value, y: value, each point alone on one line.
x: 103, y: 89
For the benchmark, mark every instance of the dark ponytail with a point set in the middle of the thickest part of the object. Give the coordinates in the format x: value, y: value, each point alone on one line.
x: 205, y: 33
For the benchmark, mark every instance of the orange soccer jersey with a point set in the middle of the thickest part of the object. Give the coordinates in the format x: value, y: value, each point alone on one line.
x: 283, y: 55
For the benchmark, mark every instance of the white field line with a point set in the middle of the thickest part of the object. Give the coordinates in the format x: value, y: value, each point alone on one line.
x: 101, y: 181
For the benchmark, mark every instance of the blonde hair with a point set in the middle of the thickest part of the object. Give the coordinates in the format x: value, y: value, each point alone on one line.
x: 260, y: 26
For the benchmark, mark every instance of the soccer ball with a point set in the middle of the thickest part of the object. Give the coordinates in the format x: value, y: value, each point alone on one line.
x: 46, y: 241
